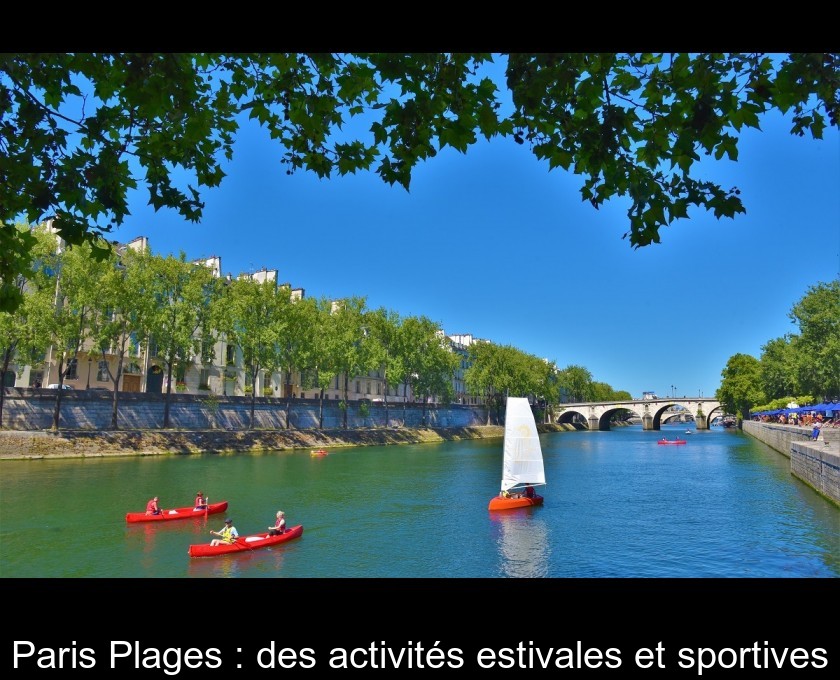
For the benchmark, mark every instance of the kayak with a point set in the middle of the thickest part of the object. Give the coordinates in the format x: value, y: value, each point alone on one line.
x: 245, y: 543
x: 177, y: 513
x: 319, y: 453
x: 671, y: 441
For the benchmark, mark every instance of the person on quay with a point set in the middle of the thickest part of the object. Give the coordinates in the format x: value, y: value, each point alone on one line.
x: 279, y: 526
x: 227, y: 535
x: 200, y: 501
x: 152, y: 507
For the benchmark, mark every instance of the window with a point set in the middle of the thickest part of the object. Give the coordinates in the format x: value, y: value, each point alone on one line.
x: 358, y: 387
x: 72, y: 372
x: 230, y: 355
x: 204, y: 379
x: 102, y: 372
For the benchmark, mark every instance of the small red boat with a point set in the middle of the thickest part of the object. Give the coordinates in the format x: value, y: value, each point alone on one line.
x: 502, y: 503
x: 671, y: 441
x: 177, y: 513
x: 245, y: 543
x: 318, y: 453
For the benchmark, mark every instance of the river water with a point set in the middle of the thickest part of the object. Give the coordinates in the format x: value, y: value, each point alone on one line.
x: 617, y: 505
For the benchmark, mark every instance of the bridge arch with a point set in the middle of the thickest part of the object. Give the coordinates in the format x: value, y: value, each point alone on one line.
x: 653, y: 412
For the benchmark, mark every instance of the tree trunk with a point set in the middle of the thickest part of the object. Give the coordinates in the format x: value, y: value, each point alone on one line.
x: 346, y: 405
x: 168, y: 392
x: 57, y: 411
x: 253, y: 398
x: 7, y: 358
x: 321, y: 410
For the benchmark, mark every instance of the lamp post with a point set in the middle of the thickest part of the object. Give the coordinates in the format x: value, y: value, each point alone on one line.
x: 90, y: 367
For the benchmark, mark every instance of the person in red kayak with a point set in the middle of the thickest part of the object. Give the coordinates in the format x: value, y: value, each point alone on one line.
x: 200, y: 501
x: 152, y: 507
x: 227, y: 535
x: 279, y: 525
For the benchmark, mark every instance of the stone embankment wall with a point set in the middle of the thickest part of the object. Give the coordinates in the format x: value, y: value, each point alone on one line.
x: 815, y: 463
x: 32, y: 409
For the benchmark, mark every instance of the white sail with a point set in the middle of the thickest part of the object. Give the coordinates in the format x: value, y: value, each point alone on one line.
x: 523, y: 463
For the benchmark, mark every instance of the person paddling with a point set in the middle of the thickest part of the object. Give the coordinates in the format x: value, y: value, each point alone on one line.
x: 200, y: 501
x: 228, y: 534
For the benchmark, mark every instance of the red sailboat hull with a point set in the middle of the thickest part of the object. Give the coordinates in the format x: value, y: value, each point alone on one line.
x: 502, y: 503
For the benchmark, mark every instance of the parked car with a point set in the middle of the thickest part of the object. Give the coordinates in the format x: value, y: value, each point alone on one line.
x: 55, y: 386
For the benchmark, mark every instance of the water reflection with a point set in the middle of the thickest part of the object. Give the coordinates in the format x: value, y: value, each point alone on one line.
x: 523, y: 543
x: 265, y: 562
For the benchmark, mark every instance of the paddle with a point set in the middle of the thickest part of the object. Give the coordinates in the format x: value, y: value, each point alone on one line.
x: 242, y: 541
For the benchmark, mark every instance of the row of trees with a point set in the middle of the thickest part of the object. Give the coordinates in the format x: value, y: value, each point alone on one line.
x: 117, y: 303
x: 803, y: 366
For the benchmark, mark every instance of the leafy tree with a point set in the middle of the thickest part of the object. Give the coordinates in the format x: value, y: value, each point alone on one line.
x: 182, y: 294
x: 818, y: 344
x: 350, y: 348
x: 418, y: 345
x: 20, y: 338
x: 480, y: 376
x: 318, y: 362
x: 778, y: 368
x: 436, y: 364
x: 60, y: 314
x: 740, y: 388
x: 82, y: 130
x: 576, y: 381
x: 250, y: 315
x: 384, y: 326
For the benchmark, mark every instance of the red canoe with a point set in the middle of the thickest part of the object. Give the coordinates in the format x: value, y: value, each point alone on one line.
x: 245, y: 543
x: 176, y: 513
x: 671, y: 441
x: 502, y: 503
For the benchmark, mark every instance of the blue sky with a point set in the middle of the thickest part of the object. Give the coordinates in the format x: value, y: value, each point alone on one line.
x: 494, y: 244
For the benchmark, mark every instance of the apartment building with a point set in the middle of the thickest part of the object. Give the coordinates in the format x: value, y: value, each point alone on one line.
x: 225, y: 374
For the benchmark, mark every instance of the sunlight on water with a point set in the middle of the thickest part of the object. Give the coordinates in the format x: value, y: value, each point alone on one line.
x: 617, y: 505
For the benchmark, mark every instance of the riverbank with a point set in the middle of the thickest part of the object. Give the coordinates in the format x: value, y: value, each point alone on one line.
x: 18, y: 445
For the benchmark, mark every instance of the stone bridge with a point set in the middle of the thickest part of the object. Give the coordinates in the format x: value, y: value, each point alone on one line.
x: 653, y: 412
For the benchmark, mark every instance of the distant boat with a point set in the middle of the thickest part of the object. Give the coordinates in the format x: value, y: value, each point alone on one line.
x: 522, y: 466
x: 318, y: 453
x: 671, y: 441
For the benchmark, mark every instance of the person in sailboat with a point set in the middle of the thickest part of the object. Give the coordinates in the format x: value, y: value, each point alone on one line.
x: 529, y: 491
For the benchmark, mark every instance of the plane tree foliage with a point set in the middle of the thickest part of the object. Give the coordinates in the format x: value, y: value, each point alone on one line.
x: 817, y: 346
x: 778, y: 368
x: 252, y: 316
x: 182, y: 297
x: 80, y: 131
x: 740, y: 386
x: 802, y: 367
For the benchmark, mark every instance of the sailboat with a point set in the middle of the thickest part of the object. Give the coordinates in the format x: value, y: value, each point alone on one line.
x: 522, y: 468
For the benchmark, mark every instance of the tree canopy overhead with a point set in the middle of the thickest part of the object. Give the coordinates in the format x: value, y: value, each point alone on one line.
x: 78, y: 132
